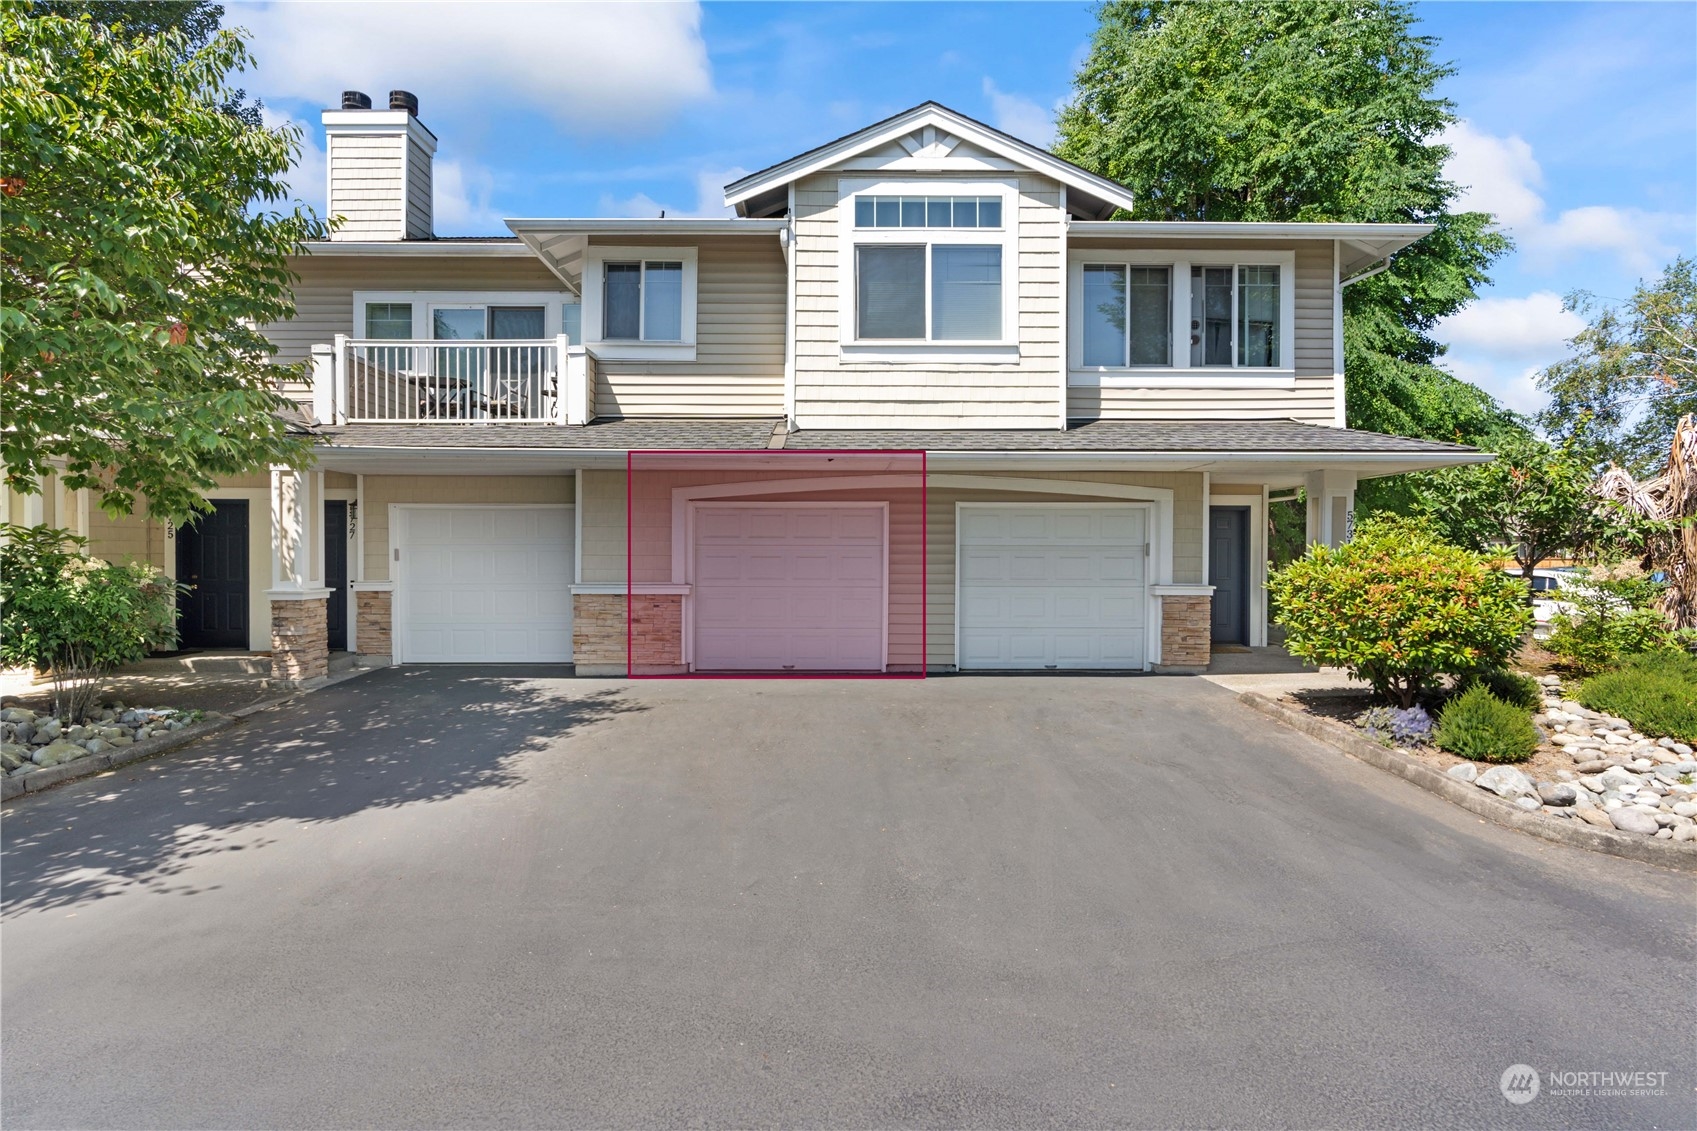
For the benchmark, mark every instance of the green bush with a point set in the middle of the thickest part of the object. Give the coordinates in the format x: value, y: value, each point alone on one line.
x: 75, y: 617
x: 1611, y: 619
x: 1511, y: 687
x: 1400, y: 608
x: 1479, y: 726
x: 1656, y: 692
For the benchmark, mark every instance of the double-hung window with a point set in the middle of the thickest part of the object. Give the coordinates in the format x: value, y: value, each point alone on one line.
x: 926, y: 267
x: 643, y: 301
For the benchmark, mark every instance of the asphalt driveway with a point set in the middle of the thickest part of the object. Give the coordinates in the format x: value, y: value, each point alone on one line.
x: 475, y: 897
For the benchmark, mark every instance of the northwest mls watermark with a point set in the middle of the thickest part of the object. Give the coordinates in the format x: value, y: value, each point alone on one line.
x: 1521, y: 1083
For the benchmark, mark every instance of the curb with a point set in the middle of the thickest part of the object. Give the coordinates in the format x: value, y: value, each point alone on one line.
x: 11, y: 788
x: 1645, y: 850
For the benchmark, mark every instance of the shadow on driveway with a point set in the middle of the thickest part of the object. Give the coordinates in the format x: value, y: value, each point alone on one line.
x: 393, y: 737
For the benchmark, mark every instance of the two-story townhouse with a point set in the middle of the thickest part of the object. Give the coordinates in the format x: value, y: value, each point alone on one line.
x: 1102, y: 408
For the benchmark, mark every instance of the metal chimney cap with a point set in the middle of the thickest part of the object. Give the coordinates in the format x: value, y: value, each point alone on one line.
x: 355, y: 100
x: 404, y: 100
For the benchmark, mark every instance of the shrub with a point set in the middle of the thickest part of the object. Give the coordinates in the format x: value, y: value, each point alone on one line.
x: 1612, y: 619
x: 1655, y: 692
x: 1479, y: 726
x: 1410, y: 726
x: 1511, y: 687
x: 1400, y: 608
x: 77, y: 618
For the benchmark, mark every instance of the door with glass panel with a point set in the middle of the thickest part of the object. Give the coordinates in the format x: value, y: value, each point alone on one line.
x: 491, y: 379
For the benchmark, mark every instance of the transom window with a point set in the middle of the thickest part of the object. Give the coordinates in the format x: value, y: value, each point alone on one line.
x: 643, y: 301
x: 927, y: 211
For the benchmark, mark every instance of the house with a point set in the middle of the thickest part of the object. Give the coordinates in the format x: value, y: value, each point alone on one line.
x: 1068, y: 427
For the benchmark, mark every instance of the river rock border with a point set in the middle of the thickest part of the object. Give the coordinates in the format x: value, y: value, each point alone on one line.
x: 1648, y: 850
x: 11, y: 787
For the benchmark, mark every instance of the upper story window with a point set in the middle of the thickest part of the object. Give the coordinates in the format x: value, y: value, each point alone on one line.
x: 1192, y: 314
x: 644, y: 301
x: 388, y: 320
x: 927, y: 270
x: 455, y: 316
x: 927, y: 211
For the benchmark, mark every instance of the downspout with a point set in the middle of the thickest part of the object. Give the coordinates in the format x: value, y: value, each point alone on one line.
x: 786, y: 240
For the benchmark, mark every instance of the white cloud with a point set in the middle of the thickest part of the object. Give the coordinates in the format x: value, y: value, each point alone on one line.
x: 461, y: 206
x: 709, y: 198
x: 1501, y: 175
x: 1020, y: 116
x: 1535, y: 327
x: 307, y: 179
x: 1513, y: 385
x: 595, y: 68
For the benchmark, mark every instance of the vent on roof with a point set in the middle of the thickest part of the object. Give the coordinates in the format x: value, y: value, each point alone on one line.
x: 404, y: 100
x: 355, y: 100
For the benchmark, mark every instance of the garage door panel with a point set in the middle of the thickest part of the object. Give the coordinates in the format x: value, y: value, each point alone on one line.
x: 789, y: 588
x: 1052, y: 586
x: 485, y: 584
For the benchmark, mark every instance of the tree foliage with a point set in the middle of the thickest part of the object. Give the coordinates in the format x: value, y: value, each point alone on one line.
x: 1533, y: 501
x: 139, y: 254
x: 1400, y: 608
x: 1323, y: 111
x: 1633, y: 373
x: 76, y: 617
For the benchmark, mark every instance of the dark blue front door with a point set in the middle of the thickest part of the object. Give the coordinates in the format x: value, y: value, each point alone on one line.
x: 1228, y: 573
x: 336, y: 574
x: 212, y: 562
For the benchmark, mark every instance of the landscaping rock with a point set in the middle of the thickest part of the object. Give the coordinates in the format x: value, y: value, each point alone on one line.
x: 1594, y: 817
x: 1530, y: 804
x: 47, y: 730
x: 1685, y: 833
x: 57, y: 753
x: 1593, y: 766
x: 17, y: 715
x: 13, y: 755
x: 1686, y: 808
x: 1504, y: 781
x: 1616, y: 777
x: 1635, y: 819
x: 1467, y: 771
x: 1552, y: 794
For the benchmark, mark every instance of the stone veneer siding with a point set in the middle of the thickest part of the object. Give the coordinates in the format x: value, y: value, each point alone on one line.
x: 1186, y: 628
x: 374, y: 623
x: 599, y: 632
x: 300, y: 640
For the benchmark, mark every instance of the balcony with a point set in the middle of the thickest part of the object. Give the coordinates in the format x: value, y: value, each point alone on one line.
x: 361, y: 381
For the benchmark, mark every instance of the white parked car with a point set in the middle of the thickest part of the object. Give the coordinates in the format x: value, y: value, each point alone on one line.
x: 1547, y: 584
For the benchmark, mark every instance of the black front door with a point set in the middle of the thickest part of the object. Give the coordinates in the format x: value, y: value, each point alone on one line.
x: 212, y: 562
x: 1228, y: 573
x: 336, y: 573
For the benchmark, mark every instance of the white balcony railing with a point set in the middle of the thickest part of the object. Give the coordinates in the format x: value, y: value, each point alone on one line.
x: 360, y: 381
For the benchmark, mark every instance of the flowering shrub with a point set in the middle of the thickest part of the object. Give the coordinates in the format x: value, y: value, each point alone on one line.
x: 1394, y: 726
x: 1400, y: 608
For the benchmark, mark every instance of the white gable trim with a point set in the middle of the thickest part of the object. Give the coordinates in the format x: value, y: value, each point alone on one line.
x: 947, y: 125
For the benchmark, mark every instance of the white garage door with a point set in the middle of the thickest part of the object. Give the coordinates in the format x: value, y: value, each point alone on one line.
x: 1053, y: 586
x: 485, y: 585
x: 789, y: 588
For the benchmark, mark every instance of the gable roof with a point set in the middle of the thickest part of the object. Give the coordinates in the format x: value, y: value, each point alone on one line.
x: 1089, y: 195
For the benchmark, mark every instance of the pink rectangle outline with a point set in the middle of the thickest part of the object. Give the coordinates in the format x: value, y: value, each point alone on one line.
x: 924, y: 562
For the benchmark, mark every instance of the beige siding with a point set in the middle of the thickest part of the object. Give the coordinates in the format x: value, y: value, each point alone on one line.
x: 131, y: 537
x: 365, y: 185
x: 833, y: 393
x: 603, y: 524
x: 1314, y: 400
x: 739, y: 359
x: 419, y: 190
x: 382, y: 490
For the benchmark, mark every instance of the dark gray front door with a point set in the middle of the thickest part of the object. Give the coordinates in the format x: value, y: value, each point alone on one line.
x: 1228, y: 573
x: 336, y: 574
x: 212, y: 562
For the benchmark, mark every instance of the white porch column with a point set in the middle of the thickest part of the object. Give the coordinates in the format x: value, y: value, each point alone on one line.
x: 326, y: 403
x: 300, y: 652
x: 1331, y: 507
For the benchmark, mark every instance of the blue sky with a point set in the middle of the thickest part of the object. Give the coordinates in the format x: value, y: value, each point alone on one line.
x: 1579, y: 120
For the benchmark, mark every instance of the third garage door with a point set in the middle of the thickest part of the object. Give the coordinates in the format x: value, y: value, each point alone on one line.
x: 789, y: 588
x: 1053, y: 586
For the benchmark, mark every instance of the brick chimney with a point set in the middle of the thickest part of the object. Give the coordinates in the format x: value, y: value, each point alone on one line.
x: 379, y: 168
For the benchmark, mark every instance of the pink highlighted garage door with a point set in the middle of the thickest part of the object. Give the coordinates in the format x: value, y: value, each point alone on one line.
x: 789, y: 587
x: 1053, y: 585
x: 483, y: 584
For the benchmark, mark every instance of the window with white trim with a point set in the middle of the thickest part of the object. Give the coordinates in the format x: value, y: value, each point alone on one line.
x: 644, y: 301
x: 926, y: 268
x: 1127, y: 315
x: 1234, y: 316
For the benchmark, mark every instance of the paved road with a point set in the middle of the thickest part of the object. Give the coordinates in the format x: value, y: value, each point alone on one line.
x: 464, y: 897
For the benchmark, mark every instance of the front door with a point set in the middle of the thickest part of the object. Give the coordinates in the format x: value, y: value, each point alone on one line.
x: 1228, y: 573
x: 336, y: 574
x: 212, y: 561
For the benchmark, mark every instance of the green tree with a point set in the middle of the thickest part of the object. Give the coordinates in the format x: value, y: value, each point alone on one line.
x: 1323, y: 111
x: 1633, y: 373
x: 143, y: 241
x: 1532, y: 502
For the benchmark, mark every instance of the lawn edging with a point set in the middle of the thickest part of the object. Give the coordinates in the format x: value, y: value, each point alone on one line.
x: 11, y: 788
x: 1645, y: 850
